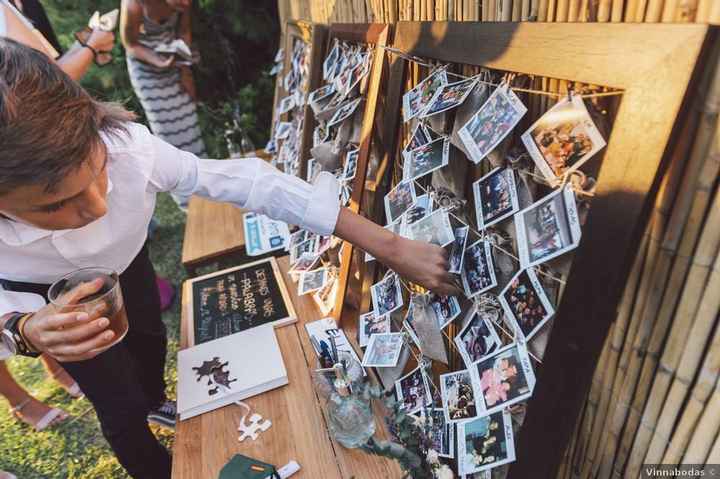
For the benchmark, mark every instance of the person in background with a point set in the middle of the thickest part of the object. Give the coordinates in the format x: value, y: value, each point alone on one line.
x: 166, y: 90
x: 27, y: 22
x: 78, y: 188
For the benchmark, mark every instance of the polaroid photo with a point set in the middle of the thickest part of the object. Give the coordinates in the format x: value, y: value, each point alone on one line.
x: 416, y: 100
x: 449, y: 96
x: 495, y: 197
x: 478, y: 270
x: 306, y: 262
x: 492, y: 123
x: 399, y: 200
x: 296, y: 238
x: 548, y: 228
x: 445, y: 308
x: 308, y: 246
x: 369, y: 324
x: 344, y: 112
x: 503, y: 378
x: 434, y: 229
x: 413, y: 391
x: 525, y: 303
x: 350, y: 167
x: 383, y: 350
x: 330, y: 61
x: 421, y: 209
x: 318, y: 99
x: 564, y: 138
x: 418, y: 138
x: 458, y: 396
x: 426, y: 158
x: 311, y: 281
x: 485, y: 443
x: 477, y: 338
x: 286, y: 104
x: 282, y: 130
x: 320, y: 135
x: 442, y: 432
x: 387, y: 295
x: 457, y: 250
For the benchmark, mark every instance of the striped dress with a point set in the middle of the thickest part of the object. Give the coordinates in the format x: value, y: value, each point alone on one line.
x: 169, y: 109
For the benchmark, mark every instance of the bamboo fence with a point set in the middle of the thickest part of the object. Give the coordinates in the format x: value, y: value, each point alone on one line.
x: 655, y: 394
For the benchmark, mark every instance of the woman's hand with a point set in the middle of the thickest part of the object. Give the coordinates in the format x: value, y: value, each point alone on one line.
x: 101, y: 40
x: 421, y: 263
x: 69, y: 336
x: 161, y: 61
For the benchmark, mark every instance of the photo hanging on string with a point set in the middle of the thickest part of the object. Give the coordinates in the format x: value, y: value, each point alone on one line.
x: 503, y: 378
x: 434, y: 229
x: 413, y: 391
x: 525, y: 303
x: 426, y: 158
x: 383, y: 350
x: 369, y: 324
x: 495, y: 197
x: 485, y: 443
x: 477, y: 338
x: 449, y: 96
x: 478, y: 270
x: 401, y: 198
x: 416, y: 100
x: 458, y: 396
x: 442, y: 432
x: 445, y: 308
x: 564, y: 138
x: 492, y: 123
x: 548, y: 228
x: 387, y: 295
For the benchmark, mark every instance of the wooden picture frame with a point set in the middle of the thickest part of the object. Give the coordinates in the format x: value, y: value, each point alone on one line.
x: 313, y: 34
x: 655, y: 66
x: 290, y: 319
x: 379, y: 35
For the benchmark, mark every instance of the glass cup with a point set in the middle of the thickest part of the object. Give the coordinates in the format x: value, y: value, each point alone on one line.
x: 107, y: 301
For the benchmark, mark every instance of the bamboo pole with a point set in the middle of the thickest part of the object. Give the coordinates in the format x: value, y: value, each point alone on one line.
x: 703, y: 10
x: 669, y: 9
x: 542, y: 10
x: 550, y: 17
x: 654, y: 11
x: 616, y: 13
x: 686, y: 11
x: 561, y: 14
x: 630, y: 10
x: 526, y: 10
x: 573, y: 11
x: 604, y: 10
x: 516, y: 10
x: 506, y: 10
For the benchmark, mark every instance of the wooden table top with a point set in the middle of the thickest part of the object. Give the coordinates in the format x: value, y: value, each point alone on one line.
x: 223, y: 219
x: 205, y: 443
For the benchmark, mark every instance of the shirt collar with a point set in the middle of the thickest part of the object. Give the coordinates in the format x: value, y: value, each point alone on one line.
x: 14, y: 233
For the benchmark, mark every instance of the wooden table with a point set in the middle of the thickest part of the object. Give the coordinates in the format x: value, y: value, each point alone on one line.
x: 204, y: 444
x: 228, y: 235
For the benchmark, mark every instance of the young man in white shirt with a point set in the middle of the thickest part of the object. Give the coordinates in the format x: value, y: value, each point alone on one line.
x: 78, y: 182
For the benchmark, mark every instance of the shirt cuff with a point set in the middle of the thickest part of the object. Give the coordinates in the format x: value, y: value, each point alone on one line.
x: 323, y: 209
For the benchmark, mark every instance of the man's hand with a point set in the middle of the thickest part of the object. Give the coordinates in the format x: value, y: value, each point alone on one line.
x: 69, y: 336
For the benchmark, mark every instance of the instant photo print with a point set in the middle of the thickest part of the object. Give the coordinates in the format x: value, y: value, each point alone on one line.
x: 445, y: 308
x: 399, y: 200
x: 492, y: 123
x: 457, y: 250
x: 449, y: 96
x: 369, y: 324
x: 383, y: 350
x: 416, y: 100
x: 495, y: 197
x: 426, y: 158
x: 478, y: 337
x: 564, y: 138
x: 478, y: 270
x: 387, y: 295
x: 458, y: 396
x: 435, y: 229
x: 413, y: 391
x: 548, y: 228
x: 526, y: 306
x: 485, y: 443
x: 503, y: 378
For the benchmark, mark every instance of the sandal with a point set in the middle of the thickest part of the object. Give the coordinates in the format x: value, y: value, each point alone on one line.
x: 53, y: 417
x: 72, y: 389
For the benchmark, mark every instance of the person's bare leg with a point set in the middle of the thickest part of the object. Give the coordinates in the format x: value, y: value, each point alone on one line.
x: 31, y: 410
x: 59, y: 374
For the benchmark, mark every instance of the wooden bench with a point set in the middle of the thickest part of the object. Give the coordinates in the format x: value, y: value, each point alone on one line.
x: 204, y: 444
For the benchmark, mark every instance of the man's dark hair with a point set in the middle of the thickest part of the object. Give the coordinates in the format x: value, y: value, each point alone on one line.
x: 49, y: 125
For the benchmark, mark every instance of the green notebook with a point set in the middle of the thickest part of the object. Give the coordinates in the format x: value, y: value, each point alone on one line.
x: 243, y: 467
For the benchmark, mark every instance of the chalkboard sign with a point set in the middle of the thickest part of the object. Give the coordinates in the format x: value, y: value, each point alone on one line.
x: 238, y: 298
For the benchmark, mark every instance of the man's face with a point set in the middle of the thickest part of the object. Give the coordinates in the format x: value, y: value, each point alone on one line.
x: 78, y: 200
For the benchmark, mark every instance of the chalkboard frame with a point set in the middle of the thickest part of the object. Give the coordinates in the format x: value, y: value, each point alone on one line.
x: 278, y: 276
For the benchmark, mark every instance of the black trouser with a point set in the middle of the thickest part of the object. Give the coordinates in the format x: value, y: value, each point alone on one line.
x: 125, y: 381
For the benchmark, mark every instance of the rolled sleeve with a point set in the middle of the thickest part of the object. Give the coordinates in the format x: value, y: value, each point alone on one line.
x: 252, y: 184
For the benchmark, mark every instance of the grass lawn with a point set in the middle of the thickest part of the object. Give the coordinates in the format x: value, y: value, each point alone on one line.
x: 76, y: 448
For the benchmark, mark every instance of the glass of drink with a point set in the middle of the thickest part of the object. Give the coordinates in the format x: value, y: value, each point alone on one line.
x: 105, y: 301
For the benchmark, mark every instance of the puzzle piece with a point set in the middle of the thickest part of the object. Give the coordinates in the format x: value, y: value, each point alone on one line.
x: 253, y: 429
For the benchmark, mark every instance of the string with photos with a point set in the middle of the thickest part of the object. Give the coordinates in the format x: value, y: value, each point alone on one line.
x: 438, y: 65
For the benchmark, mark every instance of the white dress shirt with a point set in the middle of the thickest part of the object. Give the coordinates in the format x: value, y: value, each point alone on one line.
x: 138, y: 168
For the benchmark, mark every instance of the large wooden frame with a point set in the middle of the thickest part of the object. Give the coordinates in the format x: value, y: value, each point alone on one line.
x: 378, y: 35
x: 314, y: 35
x: 655, y: 66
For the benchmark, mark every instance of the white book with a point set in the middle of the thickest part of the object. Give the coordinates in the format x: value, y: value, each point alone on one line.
x: 219, y: 372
